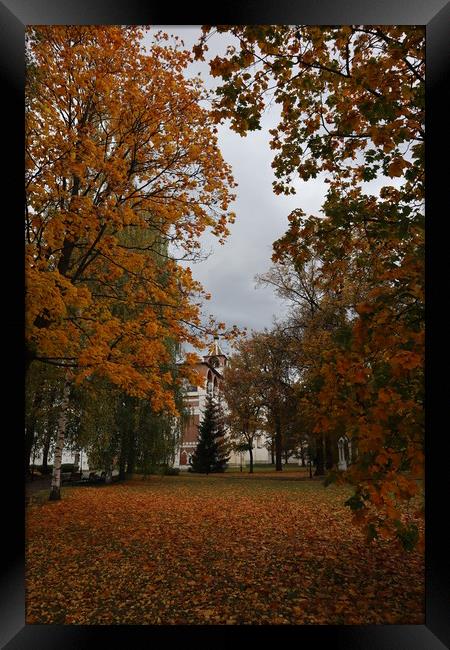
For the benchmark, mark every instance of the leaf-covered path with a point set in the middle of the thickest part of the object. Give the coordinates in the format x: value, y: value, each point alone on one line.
x: 213, y: 550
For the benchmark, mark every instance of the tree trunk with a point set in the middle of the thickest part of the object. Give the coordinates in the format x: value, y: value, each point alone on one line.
x: 45, y: 451
x: 278, y: 450
x: 320, y: 467
x: 50, y: 428
x: 272, y: 450
x: 131, y: 455
x: 30, y: 435
x: 55, y: 491
x: 250, y: 451
x: 122, y: 457
x: 329, y: 461
x: 29, y: 358
x: 29, y: 442
x: 32, y: 463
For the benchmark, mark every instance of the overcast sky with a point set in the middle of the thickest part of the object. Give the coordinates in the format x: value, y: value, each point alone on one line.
x: 261, y: 217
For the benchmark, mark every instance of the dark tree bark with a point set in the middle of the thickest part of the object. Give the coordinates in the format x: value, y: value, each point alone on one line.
x: 320, y: 464
x: 250, y: 451
x: 29, y: 358
x: 51, y: 425
x: 29, y: 442
x: 329, y: 457
x: 278, y: 449
x: 122, y: 473
x: 302, y: 456
x: 127, y: 457
x: 46, y: 451
x: 131, y: 452
x: 122, y: 456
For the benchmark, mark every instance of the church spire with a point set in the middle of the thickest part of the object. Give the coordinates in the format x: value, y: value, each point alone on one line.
x: 217, y: 349
x: 216, y: 357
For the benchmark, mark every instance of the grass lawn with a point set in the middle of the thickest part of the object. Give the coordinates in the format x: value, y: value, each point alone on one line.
x: 192, y: 549
x: 266, y: 468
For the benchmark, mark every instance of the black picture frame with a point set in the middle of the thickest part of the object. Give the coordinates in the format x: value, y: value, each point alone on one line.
x: 435, y: 15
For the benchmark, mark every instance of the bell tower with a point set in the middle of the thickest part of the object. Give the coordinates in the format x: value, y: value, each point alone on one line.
x: 211, y: 370
x: 217, y: 359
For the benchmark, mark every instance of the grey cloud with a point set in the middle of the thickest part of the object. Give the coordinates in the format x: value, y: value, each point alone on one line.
x: 261, y: 217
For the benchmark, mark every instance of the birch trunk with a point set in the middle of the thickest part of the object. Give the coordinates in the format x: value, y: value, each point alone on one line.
x: 55, y: 491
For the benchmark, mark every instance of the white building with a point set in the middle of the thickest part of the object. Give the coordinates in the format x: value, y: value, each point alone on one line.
x: 68, y: 456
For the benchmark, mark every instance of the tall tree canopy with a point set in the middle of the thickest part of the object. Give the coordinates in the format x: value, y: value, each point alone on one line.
x: 116, y: 142
x: 352, y: 109
x: 343, y: 91
x: 245, y: 404
x: 262, y: 364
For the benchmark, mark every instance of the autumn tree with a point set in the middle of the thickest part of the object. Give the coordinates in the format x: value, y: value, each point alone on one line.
x: 317, y: 317
x: 147, y: 440
x: 157, y: 438
x: 244, y: 402
x: 210, y: 454
x: 116, y: 142
x: 352, y: 108
x: 118, y: 431
x: 292, y: 437
x: 269, y: 373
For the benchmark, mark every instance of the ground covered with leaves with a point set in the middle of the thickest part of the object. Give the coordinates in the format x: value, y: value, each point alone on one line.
x: 213, y: 550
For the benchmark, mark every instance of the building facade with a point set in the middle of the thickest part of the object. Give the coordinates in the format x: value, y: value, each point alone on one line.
x: 211, y: 370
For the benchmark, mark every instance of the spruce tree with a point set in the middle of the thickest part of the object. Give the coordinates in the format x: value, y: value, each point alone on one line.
x: 210, y: 454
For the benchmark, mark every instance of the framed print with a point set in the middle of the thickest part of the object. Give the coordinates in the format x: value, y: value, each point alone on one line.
x: 105, y: 328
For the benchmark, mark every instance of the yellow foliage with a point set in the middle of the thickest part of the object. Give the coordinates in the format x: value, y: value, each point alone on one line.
x: 102, y: 150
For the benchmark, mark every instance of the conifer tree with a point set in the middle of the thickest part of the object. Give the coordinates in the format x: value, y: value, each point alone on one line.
x: 210, y: 454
